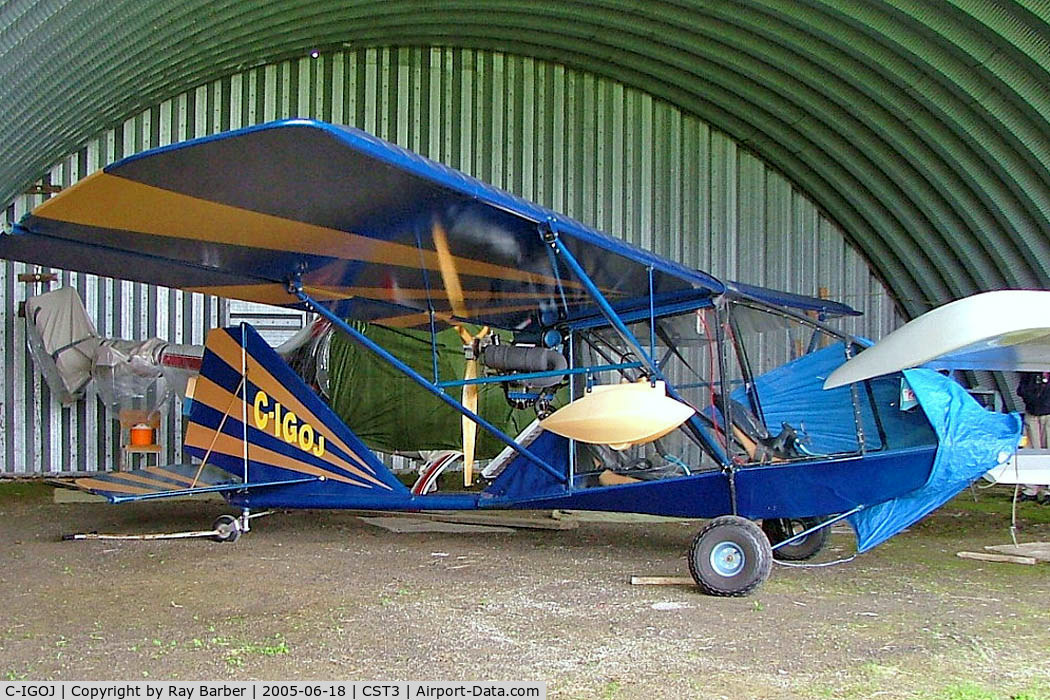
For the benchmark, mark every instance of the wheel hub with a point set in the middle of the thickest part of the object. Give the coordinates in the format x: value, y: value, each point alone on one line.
x: 727, y: 558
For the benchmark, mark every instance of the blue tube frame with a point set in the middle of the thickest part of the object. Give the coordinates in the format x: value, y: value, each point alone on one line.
x: 550, y: 235
x: 538, y: 375
x: 296, y: 288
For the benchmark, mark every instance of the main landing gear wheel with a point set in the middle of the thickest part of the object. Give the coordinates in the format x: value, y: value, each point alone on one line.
x: 780, y: 529
x: 730, y: 556
x: 227, y: 529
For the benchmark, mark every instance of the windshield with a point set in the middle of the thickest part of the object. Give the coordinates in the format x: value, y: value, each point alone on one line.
x: 755, y: 376
x: 776, y: 371
x: 683, y: 349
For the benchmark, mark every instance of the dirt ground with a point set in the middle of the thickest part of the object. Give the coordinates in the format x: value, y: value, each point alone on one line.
x: 324, y: 596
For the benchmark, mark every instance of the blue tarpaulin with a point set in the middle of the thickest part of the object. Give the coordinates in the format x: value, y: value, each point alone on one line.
x: 794, y: 393
x: 972, y: 440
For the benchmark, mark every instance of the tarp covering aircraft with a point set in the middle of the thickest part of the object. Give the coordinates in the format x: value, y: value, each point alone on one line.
x: 333, y: 220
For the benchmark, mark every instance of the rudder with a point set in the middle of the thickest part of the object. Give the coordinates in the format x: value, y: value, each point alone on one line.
x: 245, y: 390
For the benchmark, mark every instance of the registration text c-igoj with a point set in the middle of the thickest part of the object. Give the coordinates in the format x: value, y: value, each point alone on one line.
x: 284, y: 424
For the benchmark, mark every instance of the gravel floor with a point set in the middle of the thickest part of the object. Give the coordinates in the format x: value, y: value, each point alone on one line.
x: 325, y: 596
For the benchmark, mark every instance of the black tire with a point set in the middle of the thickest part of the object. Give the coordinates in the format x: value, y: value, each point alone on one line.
x: 780, y: 529
x: 730, y: 556
x: 227, y: 529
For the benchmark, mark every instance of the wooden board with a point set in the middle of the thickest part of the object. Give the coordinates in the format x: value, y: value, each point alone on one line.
x: 662, y: 581
x: 1036, y: 550
x: 401, y: 524
x: 1004, y: 558
x: 494, y: 519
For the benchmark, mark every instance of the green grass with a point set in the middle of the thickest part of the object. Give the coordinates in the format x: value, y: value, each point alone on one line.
x: 236, y: 654
x: 974, y: 691
x: 34, y: 491
x: 998, y: 501
x: 871, y: 678
x: 965, y: 691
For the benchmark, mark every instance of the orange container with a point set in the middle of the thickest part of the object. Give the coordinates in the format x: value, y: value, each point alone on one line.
x: 141, y: 435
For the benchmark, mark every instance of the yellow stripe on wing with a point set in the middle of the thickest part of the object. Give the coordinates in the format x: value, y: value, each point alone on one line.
x: 174, y: 476
x: 270, y: 293
x: 146, y: 481
x: 278, y: 294
x: 112, y: 202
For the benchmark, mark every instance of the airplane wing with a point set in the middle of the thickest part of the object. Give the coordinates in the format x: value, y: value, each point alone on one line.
x: 1001, y: 331
x: 375, y: 231
x: 799, y: 302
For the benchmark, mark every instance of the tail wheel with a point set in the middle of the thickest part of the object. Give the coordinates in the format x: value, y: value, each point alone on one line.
x: 807, y: 547
x: 227, y: 529
x: 730, y: 556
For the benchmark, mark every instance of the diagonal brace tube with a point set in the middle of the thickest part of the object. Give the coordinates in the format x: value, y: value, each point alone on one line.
x: 826, y: 523
x: 610, y: 313
x: 539, y: 375
x: 422, y: 381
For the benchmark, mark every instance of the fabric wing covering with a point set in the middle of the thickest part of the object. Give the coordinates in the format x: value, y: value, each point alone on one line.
x: 376, y: 232
x: 971, y: 441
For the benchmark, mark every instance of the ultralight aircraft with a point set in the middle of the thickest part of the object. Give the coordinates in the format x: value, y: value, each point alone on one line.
x: 657, y: 388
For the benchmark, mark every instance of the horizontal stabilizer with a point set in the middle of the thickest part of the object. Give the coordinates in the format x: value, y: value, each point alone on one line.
x: 156, y: 482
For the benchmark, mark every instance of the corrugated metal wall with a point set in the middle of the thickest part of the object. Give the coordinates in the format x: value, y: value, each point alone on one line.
x: 610, y: 156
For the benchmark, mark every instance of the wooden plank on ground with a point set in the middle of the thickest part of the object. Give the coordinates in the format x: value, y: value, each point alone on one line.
x: 596, y: 516
x: 662, y: 581
x: 1006, y: 558
x: 401, y: 525
x: 1039, y: 550
x: 500, y: 519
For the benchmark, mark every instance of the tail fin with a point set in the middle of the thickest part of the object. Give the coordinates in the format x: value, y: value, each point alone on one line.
x: 251, y: 411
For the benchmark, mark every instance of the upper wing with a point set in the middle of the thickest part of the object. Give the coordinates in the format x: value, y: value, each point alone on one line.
x: 377, y: 232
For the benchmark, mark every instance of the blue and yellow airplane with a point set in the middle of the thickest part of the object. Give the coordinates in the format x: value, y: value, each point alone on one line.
x: 660, y: 388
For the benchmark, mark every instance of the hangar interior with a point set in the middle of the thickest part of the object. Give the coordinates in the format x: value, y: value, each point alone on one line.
x: 891, y: 155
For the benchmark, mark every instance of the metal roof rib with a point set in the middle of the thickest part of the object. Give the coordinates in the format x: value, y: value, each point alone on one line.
x: 918, y: 127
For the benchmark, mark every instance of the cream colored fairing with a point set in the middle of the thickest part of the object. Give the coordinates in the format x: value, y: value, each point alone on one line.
x: 619, y: 415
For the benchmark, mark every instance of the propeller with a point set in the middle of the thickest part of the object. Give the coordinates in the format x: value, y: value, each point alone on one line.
x: 454, y: 292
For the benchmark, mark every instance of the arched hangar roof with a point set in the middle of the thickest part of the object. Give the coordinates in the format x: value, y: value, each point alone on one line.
x: 920, y: 127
